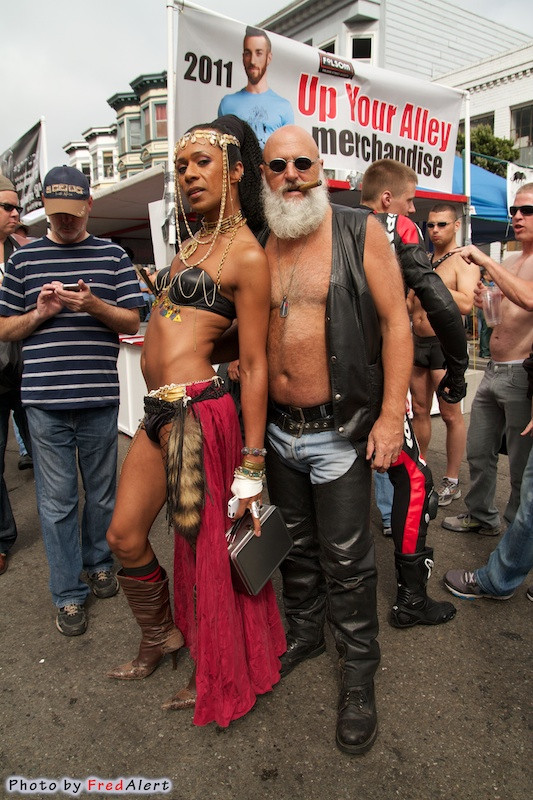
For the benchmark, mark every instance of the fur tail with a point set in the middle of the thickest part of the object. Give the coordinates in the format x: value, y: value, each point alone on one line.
x: 185, y: 476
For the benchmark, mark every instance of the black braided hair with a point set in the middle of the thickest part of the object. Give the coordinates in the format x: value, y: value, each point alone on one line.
x: 251, y: 155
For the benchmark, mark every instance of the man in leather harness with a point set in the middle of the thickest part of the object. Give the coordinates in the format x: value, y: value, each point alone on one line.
x: 337, y: 315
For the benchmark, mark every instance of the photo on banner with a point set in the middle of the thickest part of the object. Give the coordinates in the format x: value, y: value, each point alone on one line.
x: 356, y: 113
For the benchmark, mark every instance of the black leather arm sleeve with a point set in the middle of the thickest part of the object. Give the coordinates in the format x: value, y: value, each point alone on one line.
x: 443, y: 316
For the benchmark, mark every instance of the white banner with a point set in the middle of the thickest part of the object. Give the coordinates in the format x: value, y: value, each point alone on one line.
x: 516, y: 177
x: 356, y: 113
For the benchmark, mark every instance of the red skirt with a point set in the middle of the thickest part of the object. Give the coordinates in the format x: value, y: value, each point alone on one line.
x: 235, y: 640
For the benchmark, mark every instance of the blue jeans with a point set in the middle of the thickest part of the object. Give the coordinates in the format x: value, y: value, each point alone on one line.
x: 62, y: 440
x: 323, y: 456
x: 511, y: 561
x: 384, y: 493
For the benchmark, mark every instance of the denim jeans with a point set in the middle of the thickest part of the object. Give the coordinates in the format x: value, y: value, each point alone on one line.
x: 9, y: 401
x: 500, y: 406
x: 384, y: 493
x: 62, y: 440
x: 511, y: 561
x: 324, y: 456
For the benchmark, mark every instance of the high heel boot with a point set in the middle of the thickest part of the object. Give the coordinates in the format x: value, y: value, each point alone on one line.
x: 150, y: 605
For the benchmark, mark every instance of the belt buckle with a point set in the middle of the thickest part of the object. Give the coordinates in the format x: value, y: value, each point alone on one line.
x: 301, y: 423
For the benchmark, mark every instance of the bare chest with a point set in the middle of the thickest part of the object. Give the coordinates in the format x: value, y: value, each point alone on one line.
x: 300, y: 273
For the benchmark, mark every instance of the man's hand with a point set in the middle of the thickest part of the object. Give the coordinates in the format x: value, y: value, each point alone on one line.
x: 385, y: 442
x: 234, y: 372
x: 48, y: 302
x: 452, y: 389
x: 80, y: 300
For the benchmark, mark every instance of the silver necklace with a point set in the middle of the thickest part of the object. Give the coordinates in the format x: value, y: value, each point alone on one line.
x: 284, y: 306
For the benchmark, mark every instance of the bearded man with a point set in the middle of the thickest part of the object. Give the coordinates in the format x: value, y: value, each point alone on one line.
x: 339, y: 351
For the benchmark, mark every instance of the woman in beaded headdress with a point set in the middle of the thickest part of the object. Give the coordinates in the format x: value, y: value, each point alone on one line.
x: 189, y: 442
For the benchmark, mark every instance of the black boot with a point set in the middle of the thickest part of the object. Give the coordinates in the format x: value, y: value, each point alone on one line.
x: 413, y: 606
x: 357, y: 721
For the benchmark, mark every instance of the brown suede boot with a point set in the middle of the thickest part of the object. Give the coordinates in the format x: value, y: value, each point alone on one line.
x: 150, y: 605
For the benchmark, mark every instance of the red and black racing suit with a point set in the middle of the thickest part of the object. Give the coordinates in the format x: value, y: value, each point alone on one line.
x: 415, y: 501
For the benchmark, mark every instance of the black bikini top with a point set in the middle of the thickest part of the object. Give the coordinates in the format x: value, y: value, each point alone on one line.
x: 194, y: 287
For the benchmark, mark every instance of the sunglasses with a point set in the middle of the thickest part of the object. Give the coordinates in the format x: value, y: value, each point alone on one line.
x: 302, y: 163
x: 526, y: 211
x: 432, y: 225
x: 9, y: 207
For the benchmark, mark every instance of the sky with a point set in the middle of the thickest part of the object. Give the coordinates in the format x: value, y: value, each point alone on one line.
x: 62, y: 59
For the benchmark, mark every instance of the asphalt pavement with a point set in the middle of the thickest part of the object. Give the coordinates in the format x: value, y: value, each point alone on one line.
x: 454, y: 701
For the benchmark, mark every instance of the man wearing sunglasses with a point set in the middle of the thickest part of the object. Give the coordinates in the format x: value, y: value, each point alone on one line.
x: 9, y: 219
x: 500, y: 405
x: 337, y: 314
x: 429, y: 362
x: 257, y: 104
x: 10, y: 373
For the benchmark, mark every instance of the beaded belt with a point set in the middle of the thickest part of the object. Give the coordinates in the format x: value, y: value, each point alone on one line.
x: 296, y: 420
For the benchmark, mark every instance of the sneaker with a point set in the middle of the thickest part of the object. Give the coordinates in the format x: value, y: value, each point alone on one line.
x: 71, y: 620
x: 386, y: 530
x: 448, y: 491
x: 26, y: 462
x: 463, y: 584
x: 103, y: 583
x: 529, y: 593
x: 464, y: 523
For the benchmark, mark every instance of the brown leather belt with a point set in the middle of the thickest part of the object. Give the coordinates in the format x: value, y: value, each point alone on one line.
x: 297, y: 421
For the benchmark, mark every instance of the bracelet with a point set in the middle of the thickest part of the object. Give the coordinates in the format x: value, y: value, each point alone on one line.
x: 244, y: 472
x: 254, y: 451
x: 254, y: 466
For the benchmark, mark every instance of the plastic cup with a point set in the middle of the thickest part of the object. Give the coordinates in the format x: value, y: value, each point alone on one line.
x: 492, y: 305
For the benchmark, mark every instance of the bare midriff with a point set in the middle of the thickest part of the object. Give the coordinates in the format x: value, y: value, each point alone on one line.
x: 180, y: 352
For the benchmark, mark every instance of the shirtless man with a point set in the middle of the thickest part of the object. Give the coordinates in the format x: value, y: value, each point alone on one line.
x: 501, y: 405
x: 428, y: 369
x: 337, y: 312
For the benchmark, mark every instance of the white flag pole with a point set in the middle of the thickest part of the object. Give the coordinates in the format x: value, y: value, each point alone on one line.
x: 171, y: 88
x: 466, y: 167
x: 43, y: 160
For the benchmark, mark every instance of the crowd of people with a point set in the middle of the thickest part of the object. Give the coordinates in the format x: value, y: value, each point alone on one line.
x: 321, y: 313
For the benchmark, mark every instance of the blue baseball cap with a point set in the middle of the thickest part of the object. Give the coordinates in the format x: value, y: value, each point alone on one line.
x: 66, y: 190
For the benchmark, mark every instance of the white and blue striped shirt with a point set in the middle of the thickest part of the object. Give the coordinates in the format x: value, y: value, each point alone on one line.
x: 70, y: 361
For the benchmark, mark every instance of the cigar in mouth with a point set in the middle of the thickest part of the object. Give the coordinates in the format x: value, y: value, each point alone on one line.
x: 304, y: 187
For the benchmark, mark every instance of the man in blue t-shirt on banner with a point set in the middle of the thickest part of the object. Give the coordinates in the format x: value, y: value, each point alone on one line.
x: 67, y: 296
x: 259, y: 106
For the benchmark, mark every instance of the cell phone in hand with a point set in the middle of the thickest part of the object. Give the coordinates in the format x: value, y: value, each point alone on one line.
x: 71, y: 287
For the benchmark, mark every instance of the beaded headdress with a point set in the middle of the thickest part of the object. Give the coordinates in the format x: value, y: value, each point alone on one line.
x: 216, y: 139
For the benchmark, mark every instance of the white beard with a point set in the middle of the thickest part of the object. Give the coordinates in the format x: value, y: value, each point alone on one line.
x: 292, y: 220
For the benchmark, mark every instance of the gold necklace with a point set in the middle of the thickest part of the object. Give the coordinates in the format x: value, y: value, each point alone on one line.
x: 232, y: 223
x: 284, y: 306
x: 224, y: 226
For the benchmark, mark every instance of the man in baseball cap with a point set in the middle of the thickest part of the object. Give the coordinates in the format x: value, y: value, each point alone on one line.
x: 78, y: 293
x: 66, y: 191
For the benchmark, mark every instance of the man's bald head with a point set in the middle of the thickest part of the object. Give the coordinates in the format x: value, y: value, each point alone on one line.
x: 290, y: 139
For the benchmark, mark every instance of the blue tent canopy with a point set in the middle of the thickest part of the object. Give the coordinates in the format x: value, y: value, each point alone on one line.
x: 490, y: 218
